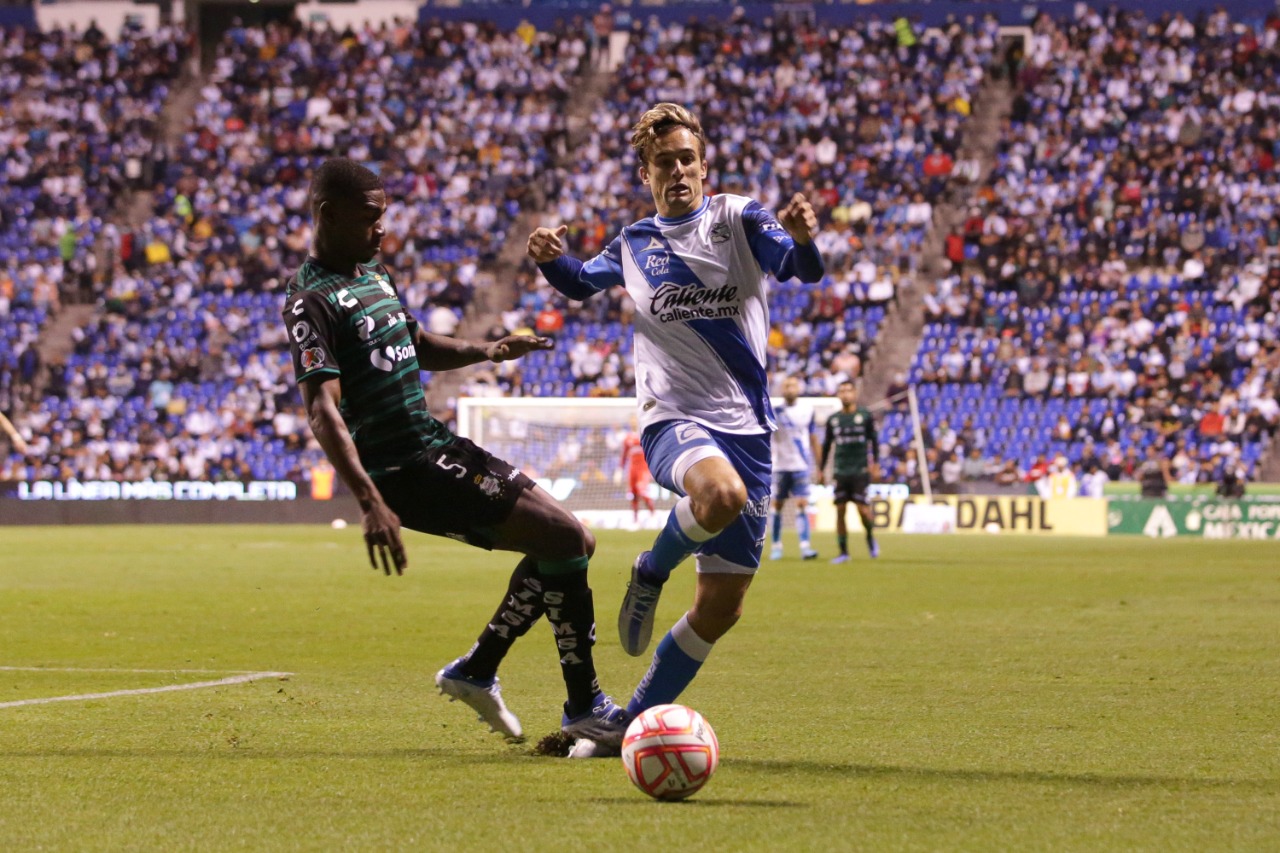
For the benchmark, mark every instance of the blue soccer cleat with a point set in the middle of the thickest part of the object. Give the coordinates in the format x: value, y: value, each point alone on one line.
x: 639, y: 607
x: 604, y: 725
x: 874, y: 548
x: 843, y: 558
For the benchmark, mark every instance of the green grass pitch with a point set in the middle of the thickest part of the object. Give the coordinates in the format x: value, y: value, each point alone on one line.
x: 979, y: 693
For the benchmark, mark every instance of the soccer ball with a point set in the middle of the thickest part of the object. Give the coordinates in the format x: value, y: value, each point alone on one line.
x: 670, y: 752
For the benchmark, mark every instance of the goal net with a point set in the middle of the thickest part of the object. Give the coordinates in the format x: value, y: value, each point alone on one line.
x: 573, y: 448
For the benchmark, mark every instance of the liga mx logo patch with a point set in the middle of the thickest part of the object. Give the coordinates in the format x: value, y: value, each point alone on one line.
x: 313, y: 357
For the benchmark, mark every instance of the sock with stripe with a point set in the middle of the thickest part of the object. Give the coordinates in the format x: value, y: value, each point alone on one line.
x: 681, y: 536
x: 521, y: 608
x: 675, y: 663
x: 572, y: 615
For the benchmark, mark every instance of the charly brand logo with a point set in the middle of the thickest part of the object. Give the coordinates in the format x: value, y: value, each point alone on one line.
x: 672, y: 302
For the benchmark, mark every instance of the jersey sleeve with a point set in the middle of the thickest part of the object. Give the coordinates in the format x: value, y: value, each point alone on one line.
x: 828, y: 436
x: 578, y: 280
x: 312, y: 336
x: 775, y: 250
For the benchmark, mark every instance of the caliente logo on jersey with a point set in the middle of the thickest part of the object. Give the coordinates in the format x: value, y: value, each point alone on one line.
x: 675, y: 302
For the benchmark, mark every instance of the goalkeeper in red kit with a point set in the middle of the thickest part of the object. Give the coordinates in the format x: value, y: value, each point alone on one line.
x: 638, y: 476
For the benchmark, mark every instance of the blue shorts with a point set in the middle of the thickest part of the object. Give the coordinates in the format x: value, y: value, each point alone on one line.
x: 790, y: 484
x: 673, y: 447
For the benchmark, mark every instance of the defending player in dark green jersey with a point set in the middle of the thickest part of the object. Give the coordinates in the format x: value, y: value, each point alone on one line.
x: 356, y: 328
x: 852, y: 431
x: 357, y: 353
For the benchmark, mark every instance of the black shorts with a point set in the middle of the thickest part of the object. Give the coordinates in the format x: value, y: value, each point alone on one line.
x: 459, y: 490
x: 851, y: 487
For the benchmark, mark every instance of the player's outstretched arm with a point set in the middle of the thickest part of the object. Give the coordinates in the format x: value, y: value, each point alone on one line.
x: 799, y: 220
x: 567, y: 274
x: 381, y: 525
x: 784, y: 245
x: 437, y: 352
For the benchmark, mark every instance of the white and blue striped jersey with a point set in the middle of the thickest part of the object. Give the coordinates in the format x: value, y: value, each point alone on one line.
x: 792, y: 443
x: 702, y: 316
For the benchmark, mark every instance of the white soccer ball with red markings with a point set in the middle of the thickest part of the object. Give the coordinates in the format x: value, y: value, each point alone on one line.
x: 670, y: 752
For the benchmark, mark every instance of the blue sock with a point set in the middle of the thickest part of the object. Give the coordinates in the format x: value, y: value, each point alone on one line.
x: 681, y: 536
x: 675, y: 662
x: 777, y: 526
x: 802, y: 524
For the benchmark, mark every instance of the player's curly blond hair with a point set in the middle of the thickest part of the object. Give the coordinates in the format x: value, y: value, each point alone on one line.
x: 657, y: 122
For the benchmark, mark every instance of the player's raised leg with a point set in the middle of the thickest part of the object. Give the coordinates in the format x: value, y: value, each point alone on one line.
x: 716, y: 608
x: 561, y: 548
x: 473, y: 678
x: 684, y: 457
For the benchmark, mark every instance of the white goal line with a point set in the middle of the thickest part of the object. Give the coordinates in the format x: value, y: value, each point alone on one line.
x: 242, y: 678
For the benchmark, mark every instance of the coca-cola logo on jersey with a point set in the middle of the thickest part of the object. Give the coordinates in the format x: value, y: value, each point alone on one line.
x: 673, y: 302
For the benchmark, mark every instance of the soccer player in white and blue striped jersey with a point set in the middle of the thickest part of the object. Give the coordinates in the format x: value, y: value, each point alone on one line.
x: 795, y: 447
x: 697, y: 272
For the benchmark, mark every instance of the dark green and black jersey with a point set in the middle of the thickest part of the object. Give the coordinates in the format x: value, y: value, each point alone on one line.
x: 854, y: 436
x: 358, y: 330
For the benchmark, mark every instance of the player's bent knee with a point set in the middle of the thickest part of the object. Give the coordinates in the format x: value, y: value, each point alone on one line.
x: 719, y: 503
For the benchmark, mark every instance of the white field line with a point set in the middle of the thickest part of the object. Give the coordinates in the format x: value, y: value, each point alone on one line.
x: 195, y: 685
x: 126, y: 671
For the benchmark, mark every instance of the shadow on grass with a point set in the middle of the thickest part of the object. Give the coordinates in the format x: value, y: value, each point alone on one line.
x: 697, y: 802
x: 1099, y: 780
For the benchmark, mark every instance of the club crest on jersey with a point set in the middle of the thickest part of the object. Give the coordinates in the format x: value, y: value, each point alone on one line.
x: 489, y: 485
x: 720, y: 233
x: 313, y: 357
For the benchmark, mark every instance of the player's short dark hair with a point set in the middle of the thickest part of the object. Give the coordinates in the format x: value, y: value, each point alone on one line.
x: 849, y: 382
x: 342, y: 178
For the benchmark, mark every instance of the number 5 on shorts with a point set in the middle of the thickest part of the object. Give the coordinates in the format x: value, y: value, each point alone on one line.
x: 451, y: 466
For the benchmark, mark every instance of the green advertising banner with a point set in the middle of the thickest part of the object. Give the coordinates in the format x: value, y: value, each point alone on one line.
x: 1208, y: 519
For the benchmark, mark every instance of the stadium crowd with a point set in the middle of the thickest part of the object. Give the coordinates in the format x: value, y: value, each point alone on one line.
x: 187, y: 360
x: 76, y: 130
x: 1115, y: 283
x: 780, y: 116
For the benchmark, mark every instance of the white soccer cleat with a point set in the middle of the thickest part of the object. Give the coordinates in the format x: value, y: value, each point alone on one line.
x: 485, y: 698
x: 775, y: 553
x: 587, y: 748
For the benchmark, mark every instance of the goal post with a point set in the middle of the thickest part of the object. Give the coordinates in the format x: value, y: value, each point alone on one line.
x: 572, y: 447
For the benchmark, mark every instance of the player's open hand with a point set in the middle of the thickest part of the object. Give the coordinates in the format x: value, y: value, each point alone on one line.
x: 546, y: 245
x: 382, y: 533
x: 515, y: 346
x: 799, y: 219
